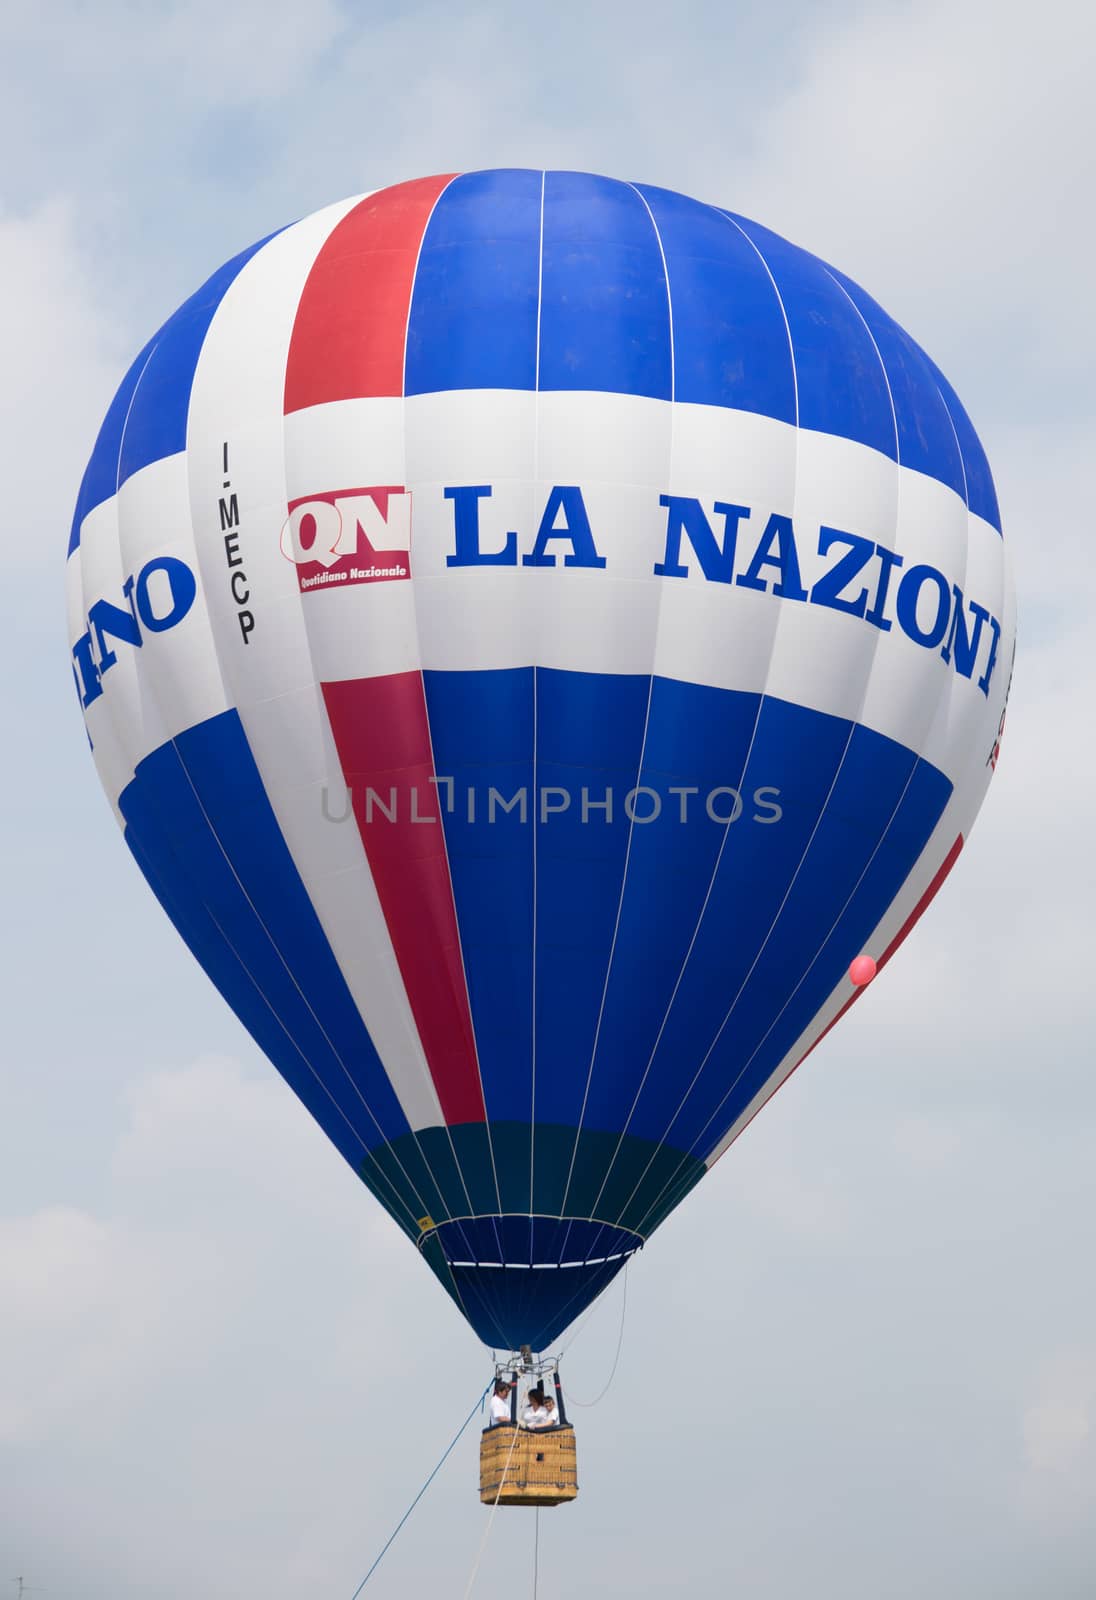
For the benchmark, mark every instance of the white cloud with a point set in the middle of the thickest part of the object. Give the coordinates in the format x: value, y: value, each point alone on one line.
x: 62, y: 362
x: 196, y: 51
x: 93, y: 1310
x: 1059, y: 1434
x: 940, y: 153
x: 1061, y: 1423
x: 208, y: 1310
x: 926, y: 1141
x: 253, y: 51
x: 231, y: 1327
x: 100, y: 1310
x: 782, y: 1185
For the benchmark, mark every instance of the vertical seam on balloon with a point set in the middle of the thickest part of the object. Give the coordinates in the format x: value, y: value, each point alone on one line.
x: 966, y: 497
x: 917, y: 762
x: 958, y: 445
x: 323, y: 713
x: 894, y: 416
x: 883, y: 369
x: 259, y: 920
x: 288, y: 969
x: 125, y: 424
x: 306, y: 634
x: 960, y: 785
x: 150, y: 689
x: 414, y: 280
x: 153, y: 347
x: 458, y: 1223
x: 536, y: 651
x: 231, y: 702
x: 430, y: 738
x: 343, y: 209
x: 756, y: 248
x: 643, y: 741
x: 452, y: 1277
x: 688, y: 1155
x: 426, y: 710
x: 796, y: 1055
x: 745, y: 763
x: 582, y: 1293
x: 108, y: 706
x: 540, y: 280
x: 401, y: 1203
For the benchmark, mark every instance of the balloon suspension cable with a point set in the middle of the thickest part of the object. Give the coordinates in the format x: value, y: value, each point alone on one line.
x: 587, y: 1404
x: 589, y: 1314
x: 491, y: 1518
x: 390, y: 1541
x: 523, y: 1364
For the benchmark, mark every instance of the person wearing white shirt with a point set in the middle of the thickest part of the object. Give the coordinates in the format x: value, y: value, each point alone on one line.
x: 534, y: 1415
x: 500, y: 1404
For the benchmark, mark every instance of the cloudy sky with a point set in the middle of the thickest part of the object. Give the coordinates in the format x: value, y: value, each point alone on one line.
x: 861, y: 1360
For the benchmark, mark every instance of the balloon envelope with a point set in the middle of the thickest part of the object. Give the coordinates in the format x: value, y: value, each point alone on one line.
x: 534, y: 630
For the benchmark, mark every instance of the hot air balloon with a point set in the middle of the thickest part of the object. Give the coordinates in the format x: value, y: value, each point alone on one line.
x: 535, y: 631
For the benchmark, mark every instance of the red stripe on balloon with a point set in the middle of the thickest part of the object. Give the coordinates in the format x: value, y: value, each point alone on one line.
x: 351, y: 325
x: 383, y: 739
x: 923, y: 904
x: 907, y: 928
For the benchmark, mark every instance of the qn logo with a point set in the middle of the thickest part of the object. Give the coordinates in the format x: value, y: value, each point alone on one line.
x: 349, y: 536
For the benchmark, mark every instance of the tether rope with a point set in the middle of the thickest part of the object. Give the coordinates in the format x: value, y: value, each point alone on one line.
x: 587, y: 1404
x: 392, y: 1536
x: 491, y: 1518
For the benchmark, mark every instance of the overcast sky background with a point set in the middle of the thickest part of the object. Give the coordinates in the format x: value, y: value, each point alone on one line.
x: 860, y: 1361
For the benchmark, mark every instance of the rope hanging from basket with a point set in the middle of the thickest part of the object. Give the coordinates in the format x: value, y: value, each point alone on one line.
x: 536, y: 1550
x: 587, y: 1405
x: 491, y: 1518
x: 448, y: 1451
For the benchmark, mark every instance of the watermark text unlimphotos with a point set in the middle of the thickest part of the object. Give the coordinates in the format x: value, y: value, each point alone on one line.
x: 641, y: 804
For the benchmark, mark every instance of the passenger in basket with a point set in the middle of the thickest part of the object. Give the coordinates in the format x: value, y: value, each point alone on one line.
x: 535, y: 1414
x: 500, y: 1403
x: 551, y: 1415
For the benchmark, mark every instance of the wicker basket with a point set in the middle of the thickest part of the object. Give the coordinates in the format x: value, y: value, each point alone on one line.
x: 542, y: 1466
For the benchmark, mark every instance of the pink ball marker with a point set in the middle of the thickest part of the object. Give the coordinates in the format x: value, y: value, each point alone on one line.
x: 862, y: 971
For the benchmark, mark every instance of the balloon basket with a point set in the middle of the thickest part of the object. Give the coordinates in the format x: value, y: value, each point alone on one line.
x: 537, y: 1468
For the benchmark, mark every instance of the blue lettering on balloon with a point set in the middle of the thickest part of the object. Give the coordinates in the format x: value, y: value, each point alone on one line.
x: 779, y: 535
x: 575, y: 528
x: 964, y: 645
x: 909, y: 593
x: 851, y: 584
x: 88, y: 675
x: 827, y: 589
x: 111, y: 622
x: 983, y: 681
x: 93, y: 657
x: 182, y: 588
x: 888, y: 560
x: 466, y: 530
x: 687, y: 516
